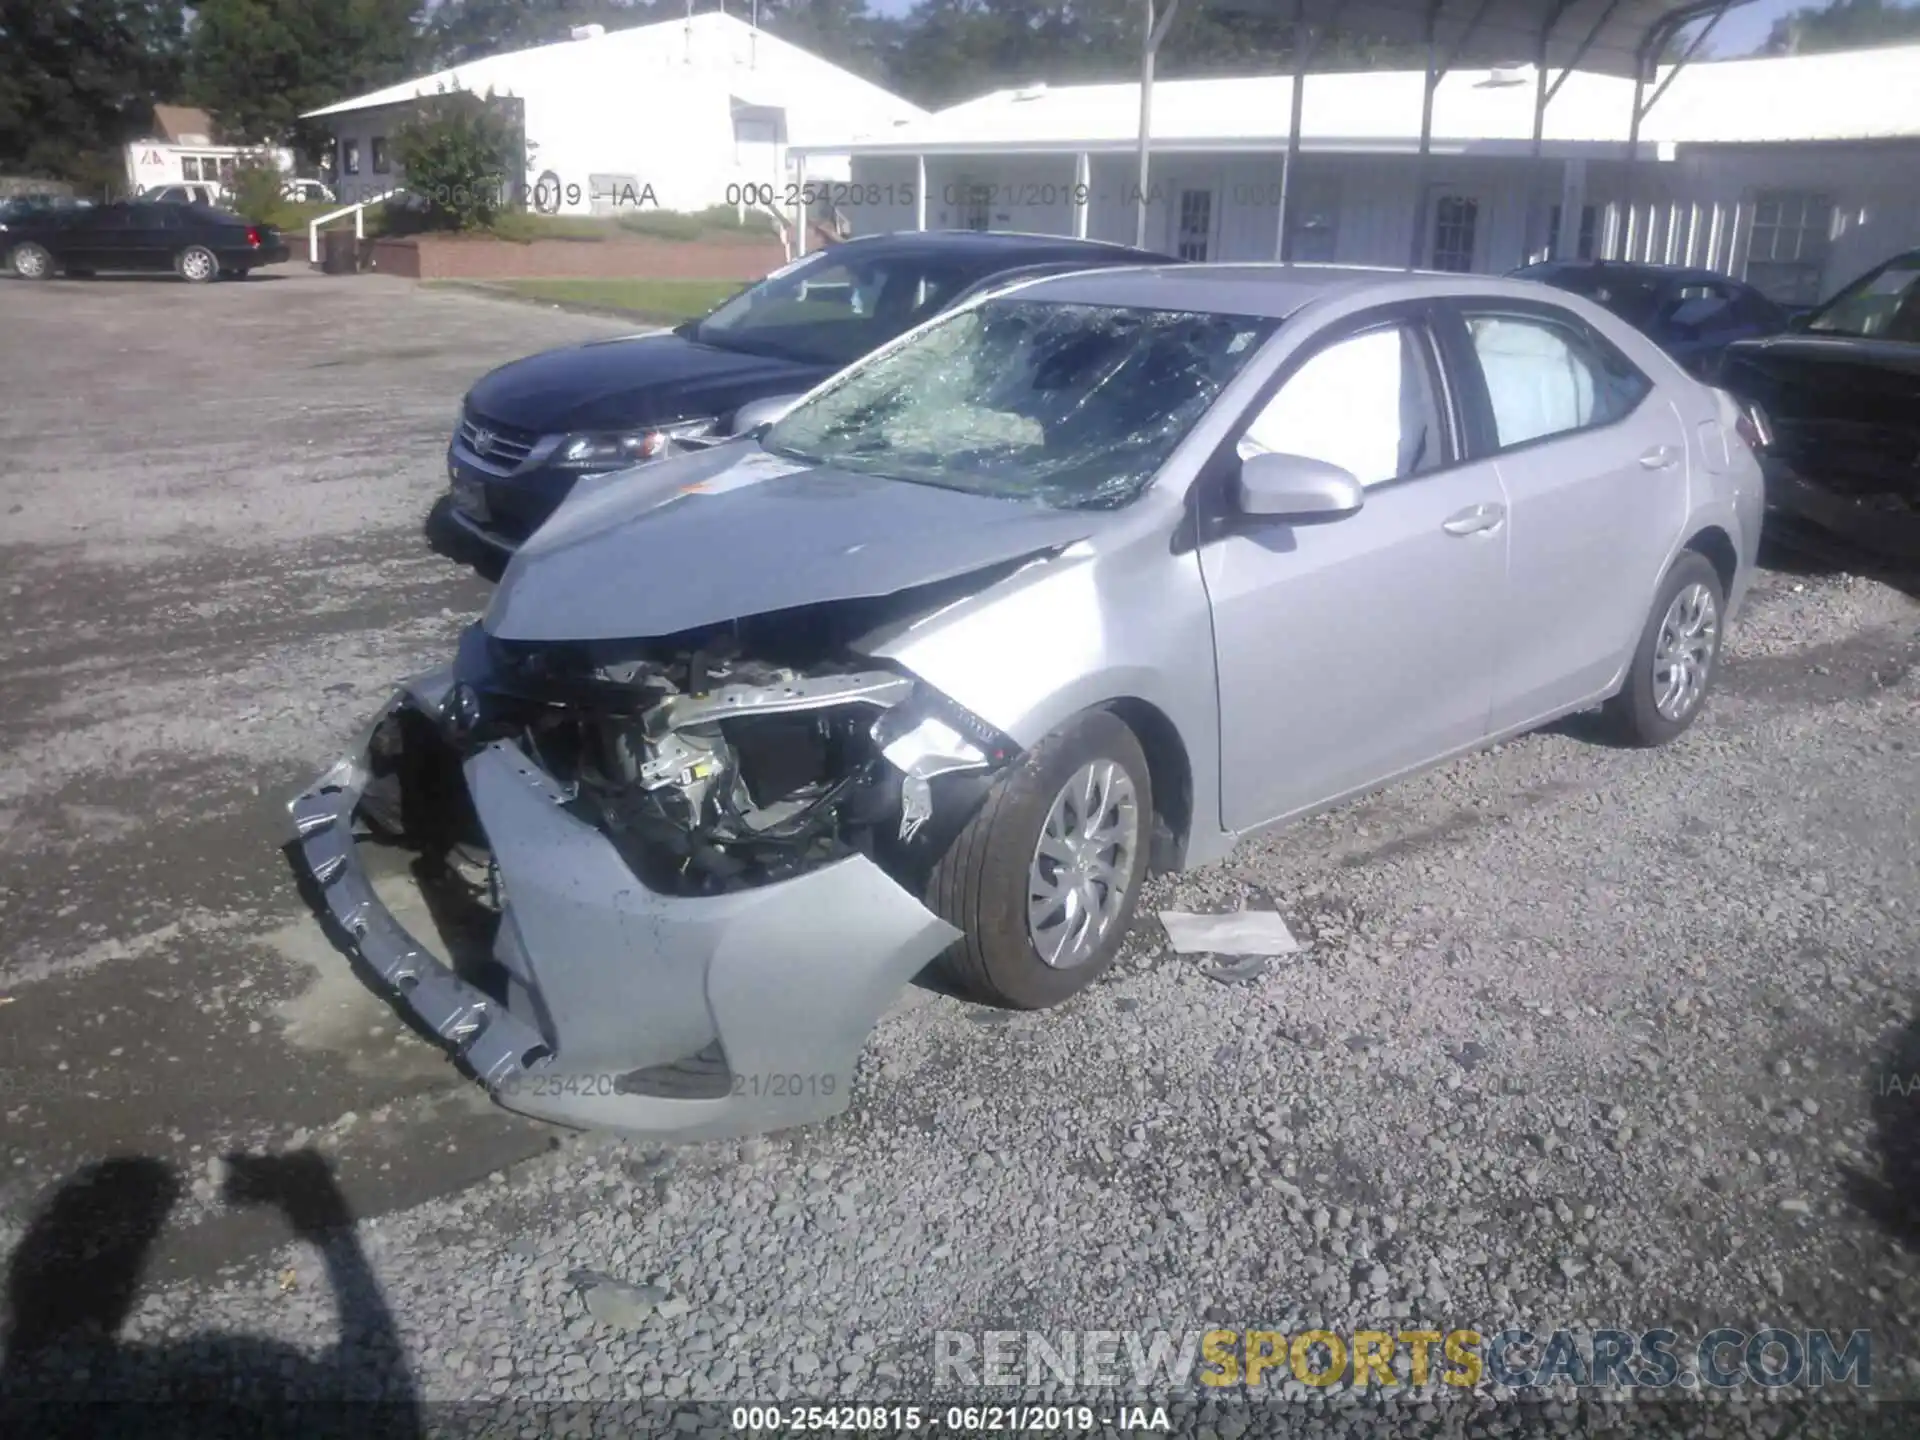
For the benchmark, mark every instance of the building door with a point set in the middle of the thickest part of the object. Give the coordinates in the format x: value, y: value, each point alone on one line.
x: 1457, y: 220
x: 1193, y: 225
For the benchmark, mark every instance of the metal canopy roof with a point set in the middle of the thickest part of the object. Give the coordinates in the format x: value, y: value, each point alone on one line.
x: 1618, y: 37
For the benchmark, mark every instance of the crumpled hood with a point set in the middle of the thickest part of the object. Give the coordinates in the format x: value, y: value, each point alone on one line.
x: 629, y: 381
x: 722, y: 534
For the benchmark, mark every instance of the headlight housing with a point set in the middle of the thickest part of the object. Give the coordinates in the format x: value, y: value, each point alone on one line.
x: 609, y: 450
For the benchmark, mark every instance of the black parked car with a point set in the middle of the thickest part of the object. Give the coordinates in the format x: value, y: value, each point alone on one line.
x: 531, y: 429
x: 1693, y: 315
x: 197, y: 241
x: 1840, y: 394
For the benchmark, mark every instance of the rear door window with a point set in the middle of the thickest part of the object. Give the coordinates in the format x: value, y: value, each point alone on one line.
x: 1547, y: 377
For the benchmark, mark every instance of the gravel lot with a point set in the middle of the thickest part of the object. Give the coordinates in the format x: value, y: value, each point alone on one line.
x: 1581, y: 1037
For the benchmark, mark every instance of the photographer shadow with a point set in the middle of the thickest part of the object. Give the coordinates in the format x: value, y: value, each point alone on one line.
x: 73, y: 1280
x: 1890, y: 1196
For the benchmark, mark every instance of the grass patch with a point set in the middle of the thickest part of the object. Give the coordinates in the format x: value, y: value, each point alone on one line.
x: 715, y: 222
x: 666, y: 302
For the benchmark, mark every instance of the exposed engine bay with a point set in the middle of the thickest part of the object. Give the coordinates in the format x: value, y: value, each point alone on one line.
x: 724, y: 760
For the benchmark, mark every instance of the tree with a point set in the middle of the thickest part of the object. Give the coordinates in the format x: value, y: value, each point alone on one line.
x: 79, y: 78
x: 259, y: 64
x: 456, y: 32
x: 1843, y: 25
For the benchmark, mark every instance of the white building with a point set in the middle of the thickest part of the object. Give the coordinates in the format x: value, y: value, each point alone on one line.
x: 680, y: 115
x: 1796, y: 174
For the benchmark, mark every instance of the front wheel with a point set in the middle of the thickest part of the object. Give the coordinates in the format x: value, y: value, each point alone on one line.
x: 1044, y: 878
x: 31, y: 261
x: 198, y: 265
x: 1674, y: 664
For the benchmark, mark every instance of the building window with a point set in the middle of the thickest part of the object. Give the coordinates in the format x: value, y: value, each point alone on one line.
x: 1456, y: 225
x: 976, y: 210
x: 349, y: 157
x: 190, y: 167
x: 1787, y: 249
x: 1585, y: 245
x: 226, y: 170
x: 381, y: 165
x: 1196, y: 224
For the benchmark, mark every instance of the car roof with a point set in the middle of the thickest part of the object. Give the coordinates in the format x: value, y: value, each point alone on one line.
x: 1009, y: 247
x: 1273, y: 290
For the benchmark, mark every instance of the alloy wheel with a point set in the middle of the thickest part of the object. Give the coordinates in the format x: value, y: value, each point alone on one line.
x: 1683, y: 655
x: 1082, y: 864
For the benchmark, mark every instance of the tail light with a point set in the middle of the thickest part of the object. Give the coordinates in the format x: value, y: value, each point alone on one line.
x: 1754, y: 427
x: 253, y: 236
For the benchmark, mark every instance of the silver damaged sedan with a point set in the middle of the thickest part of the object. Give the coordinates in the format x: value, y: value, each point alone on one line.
x: 1097, y: 574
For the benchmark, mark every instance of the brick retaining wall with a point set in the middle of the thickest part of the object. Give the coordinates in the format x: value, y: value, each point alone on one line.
x: 447, y: 257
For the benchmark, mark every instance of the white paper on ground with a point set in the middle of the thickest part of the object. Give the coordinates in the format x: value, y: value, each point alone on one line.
x: 1242, y: 932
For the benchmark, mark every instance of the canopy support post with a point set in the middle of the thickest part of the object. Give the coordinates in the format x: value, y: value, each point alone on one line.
x: 1305, y: 38
x: 1152, y: 33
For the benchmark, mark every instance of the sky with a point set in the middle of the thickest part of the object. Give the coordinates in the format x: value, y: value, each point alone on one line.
x: 1739, y: 34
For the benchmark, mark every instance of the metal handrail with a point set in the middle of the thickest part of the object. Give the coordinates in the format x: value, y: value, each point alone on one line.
x: 359, y: 212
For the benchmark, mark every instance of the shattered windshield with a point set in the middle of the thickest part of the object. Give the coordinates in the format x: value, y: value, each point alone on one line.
x: 1073, y: 405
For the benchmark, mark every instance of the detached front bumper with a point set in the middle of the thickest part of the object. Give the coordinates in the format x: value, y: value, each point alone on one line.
x: 616, y: 1006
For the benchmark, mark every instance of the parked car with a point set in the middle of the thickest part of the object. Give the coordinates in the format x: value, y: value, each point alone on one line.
x: 197, y: 194
x: 1117, y: 564
x: 198, y: 243
x: 307, y: 192
x: 529, y: 430
x: 1691, y: 314
x: 1840, y: 394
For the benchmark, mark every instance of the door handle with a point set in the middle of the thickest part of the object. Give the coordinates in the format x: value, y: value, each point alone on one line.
x: 1661, y: 457
x: 1475, y: 520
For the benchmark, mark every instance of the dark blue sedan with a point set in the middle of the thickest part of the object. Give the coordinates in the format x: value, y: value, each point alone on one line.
x: 1691, y: 314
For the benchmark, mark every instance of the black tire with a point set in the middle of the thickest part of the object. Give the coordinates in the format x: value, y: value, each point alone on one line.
x: 1633, y: 717
x: 197, y: 265
x: 31, y: 261
x: 980, y: 883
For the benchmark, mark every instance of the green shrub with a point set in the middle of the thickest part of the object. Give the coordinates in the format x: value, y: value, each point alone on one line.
x: 256, y: 188
x: 461, y: 155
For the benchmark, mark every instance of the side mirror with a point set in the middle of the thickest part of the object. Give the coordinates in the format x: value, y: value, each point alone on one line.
x: 758, y: 414
x: 1293, y: 487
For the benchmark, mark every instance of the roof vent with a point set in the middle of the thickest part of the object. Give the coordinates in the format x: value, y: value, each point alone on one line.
x: 1030, y: 92
x: 587, y: 32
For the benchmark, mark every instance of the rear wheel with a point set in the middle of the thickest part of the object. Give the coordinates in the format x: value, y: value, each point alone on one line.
x: 31, y: 261
x: 198, y: 265
x: 1044, y: 878
x: 1674, y: 664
